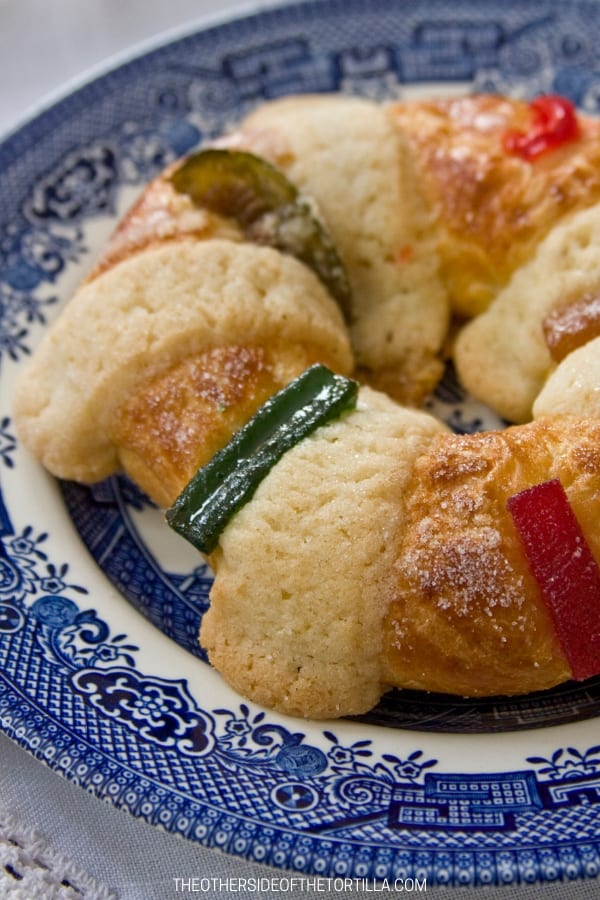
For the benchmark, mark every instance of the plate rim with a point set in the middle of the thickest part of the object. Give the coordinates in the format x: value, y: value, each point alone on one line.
x: 113, y: 67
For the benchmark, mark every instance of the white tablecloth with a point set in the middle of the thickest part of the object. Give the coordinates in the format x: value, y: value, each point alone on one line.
x: 55, y: 839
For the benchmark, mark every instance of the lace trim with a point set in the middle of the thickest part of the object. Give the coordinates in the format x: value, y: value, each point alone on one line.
x: 30, y: 869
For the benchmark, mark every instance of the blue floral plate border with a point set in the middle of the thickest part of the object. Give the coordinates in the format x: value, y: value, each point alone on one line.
x: 100, y: 672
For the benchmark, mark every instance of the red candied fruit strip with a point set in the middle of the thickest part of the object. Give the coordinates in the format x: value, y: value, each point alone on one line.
x: 555, y: 124
x: 564, y: 567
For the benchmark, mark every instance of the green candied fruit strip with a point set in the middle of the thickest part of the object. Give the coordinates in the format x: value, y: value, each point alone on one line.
x: 220, y: 488
x: 267, y: 207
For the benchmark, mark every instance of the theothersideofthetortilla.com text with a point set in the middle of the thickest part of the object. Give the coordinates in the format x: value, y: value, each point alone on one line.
x: 296, y: 883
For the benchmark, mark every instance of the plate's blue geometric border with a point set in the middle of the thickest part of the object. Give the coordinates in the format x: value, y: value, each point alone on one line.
x: 71, y: 693
x: 70, y: 690
x: 90, y: 145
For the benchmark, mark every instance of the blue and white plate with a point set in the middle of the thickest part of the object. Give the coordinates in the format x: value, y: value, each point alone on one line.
x: 100, y: 673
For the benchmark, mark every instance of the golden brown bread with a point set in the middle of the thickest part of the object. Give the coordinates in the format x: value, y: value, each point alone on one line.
x: 493, y: 207
x: 468, y: 617
x: 446, y: 600
x: 86, y: 407
x: 160, y: 215
x: 145, y: 316
x: 174, y: 423
x: 502, y: 356
x: 347, y: 156
x: 379, y: 552
x: 347, y: 153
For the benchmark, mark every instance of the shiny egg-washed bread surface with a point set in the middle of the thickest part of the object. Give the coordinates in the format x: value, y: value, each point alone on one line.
x: 304, y: 571
x: 492, y: 207
x: 161, y: 215
x: 502, y: 357
x: 148, y: 313
x: 172, y: 424
x: 467, y: 616
x: 346, y: 153
x: 380, y: 553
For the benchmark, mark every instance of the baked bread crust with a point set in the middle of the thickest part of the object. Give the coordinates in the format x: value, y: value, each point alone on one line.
x: 161, y: 215
x: 304, y: 571
x: 492, y: 208
x: 468, y: 617
x: 173, y: 424
x: 347, y: 153
x: 572, y: 388
x: 145, y: 315
x: 379, y: 551
x: 502, y: 356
